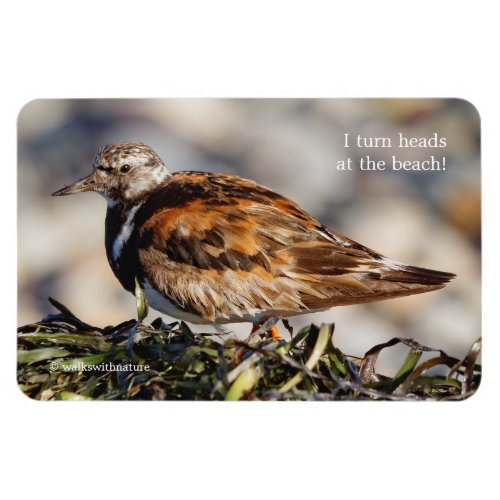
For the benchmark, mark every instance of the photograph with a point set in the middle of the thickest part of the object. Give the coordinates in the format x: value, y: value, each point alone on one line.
x: 249, y: 249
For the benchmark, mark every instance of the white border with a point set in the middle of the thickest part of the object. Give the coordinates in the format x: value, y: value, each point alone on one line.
x: 227, y: 48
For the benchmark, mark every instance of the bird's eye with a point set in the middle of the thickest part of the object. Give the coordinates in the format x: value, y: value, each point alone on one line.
x: 124, y: 168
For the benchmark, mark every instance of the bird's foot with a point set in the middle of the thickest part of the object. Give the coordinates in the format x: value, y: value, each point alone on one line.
x: 274, y: 333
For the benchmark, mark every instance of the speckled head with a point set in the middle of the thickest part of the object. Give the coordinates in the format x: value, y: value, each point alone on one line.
x: 123, y: 173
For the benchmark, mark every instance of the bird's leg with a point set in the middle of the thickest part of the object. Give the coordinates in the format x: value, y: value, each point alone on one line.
x: 130, y: 338
x: 142, y: 312
x: 268, y: 326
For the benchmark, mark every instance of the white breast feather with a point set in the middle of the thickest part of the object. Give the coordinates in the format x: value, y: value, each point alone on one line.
x: 124, y: 234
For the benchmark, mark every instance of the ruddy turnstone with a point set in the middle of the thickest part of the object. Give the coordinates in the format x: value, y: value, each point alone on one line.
x: 214, y: 248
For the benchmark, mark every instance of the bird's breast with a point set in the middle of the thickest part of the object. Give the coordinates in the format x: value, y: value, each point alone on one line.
x: 120, y: 234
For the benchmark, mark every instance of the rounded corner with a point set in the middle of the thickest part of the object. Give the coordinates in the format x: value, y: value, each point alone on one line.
x: 470, y: 104
x: 27, y: 396
x: 25, y: 106
x: 471, y: 394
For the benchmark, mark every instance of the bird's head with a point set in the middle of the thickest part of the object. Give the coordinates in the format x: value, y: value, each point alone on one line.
x: 123, y: 173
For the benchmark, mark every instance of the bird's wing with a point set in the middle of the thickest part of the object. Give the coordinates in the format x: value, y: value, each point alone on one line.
x: 223, y: 247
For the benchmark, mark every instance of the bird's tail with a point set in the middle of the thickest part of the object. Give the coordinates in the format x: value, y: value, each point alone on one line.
x: 418, y: 275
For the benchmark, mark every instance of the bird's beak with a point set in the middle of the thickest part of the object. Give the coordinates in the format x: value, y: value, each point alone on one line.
x: 88, y: 183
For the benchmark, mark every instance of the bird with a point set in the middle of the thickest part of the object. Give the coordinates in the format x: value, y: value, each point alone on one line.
x: 215, y: 248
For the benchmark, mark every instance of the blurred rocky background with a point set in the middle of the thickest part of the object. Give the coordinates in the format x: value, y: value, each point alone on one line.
x: 429, y: 219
